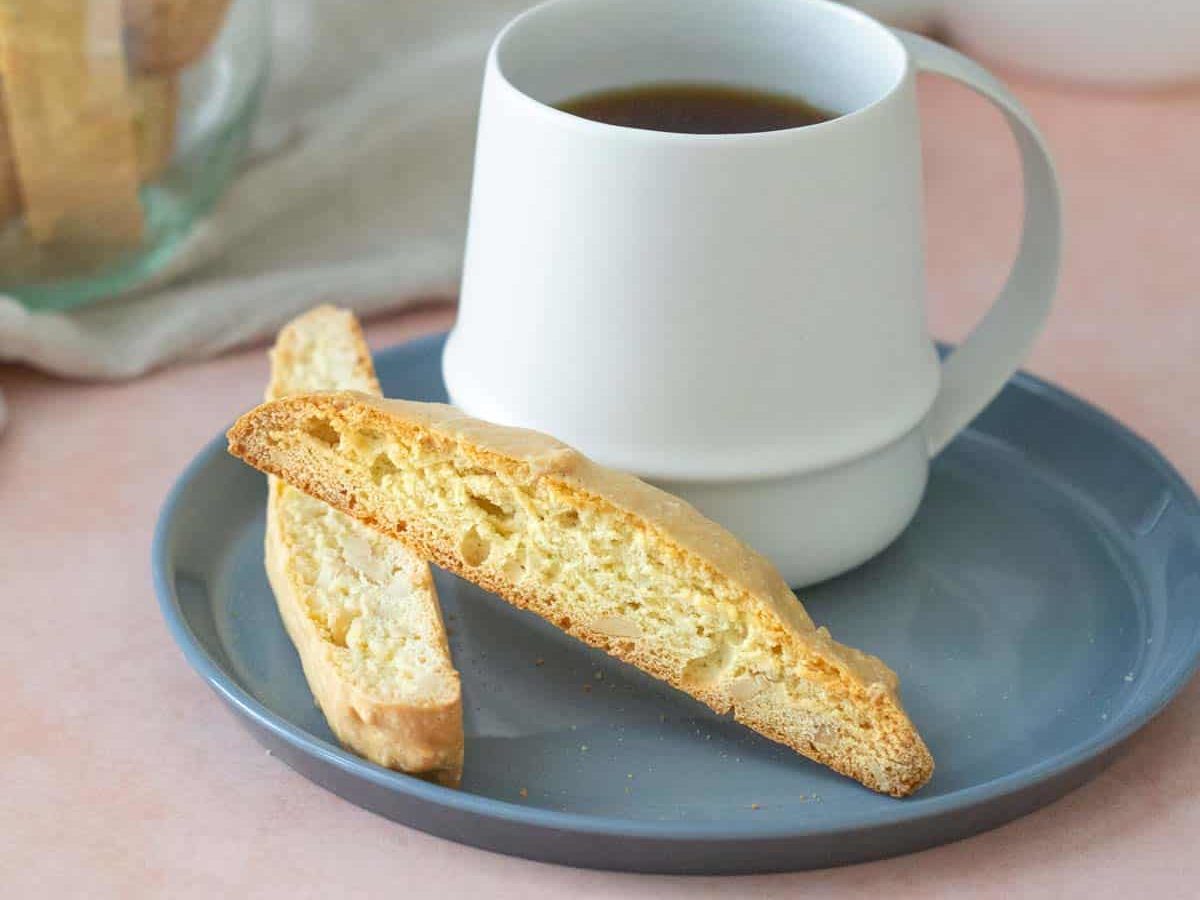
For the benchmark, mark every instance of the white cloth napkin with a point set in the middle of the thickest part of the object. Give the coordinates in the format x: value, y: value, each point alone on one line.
x: 355, y: 192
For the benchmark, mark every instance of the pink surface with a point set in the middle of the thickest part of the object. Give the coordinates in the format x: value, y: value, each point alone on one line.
x: 122, y: 774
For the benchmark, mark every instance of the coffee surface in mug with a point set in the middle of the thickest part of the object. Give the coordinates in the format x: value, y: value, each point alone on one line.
x: 700, y: 108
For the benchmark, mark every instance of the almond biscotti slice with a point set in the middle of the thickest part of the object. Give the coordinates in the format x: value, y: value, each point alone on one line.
x: 609, y: 559
x: 360, y: 607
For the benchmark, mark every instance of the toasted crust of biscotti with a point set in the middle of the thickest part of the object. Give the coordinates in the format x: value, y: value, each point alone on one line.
x: 829, y: 702
x: 419, y: 735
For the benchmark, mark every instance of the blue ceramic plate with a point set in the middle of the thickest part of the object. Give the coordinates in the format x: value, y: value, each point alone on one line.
x: 1044, y: 605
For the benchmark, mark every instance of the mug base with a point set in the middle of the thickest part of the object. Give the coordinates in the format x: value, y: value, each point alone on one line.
x: 815, y: 524
x: 818, y: 524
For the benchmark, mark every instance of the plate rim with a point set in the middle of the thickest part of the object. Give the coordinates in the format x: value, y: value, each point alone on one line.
x: 908, y: 811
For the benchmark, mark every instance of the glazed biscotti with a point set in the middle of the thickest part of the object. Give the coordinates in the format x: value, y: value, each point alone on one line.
x: 604, y: 556
x: 360, y: 607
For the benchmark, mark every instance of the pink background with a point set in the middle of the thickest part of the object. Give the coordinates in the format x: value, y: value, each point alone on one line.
x: 122, y: 774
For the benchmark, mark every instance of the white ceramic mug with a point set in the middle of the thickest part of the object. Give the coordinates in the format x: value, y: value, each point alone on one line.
x: 738, y: 318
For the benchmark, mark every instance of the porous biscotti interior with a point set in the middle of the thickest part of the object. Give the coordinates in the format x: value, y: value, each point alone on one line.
x: 597, y: 571
x: 369, y: 597
x: 321, y: 351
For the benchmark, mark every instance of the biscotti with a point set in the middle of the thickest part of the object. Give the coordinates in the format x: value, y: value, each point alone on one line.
x: 606, y: 557
x: 360, y: 608
x: 89, y: 97
x: 169, y: 35
x: 69, y: 121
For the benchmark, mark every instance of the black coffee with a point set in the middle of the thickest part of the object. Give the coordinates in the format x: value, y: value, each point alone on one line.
x: 696, y: 109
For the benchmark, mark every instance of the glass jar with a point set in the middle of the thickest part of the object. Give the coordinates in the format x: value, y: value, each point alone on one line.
x: 121, y: 122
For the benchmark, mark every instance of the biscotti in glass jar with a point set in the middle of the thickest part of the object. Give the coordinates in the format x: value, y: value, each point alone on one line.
x: 121, y: 121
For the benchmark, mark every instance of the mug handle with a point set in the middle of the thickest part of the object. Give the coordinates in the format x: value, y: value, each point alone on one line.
x: 975, y: 372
